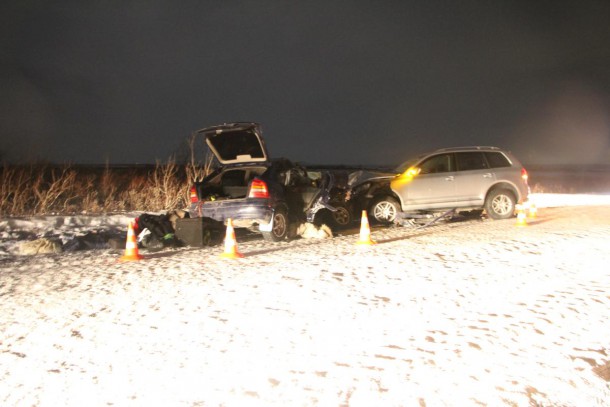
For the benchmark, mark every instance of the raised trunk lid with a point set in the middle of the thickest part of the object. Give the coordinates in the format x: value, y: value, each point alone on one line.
x: 234, y: 143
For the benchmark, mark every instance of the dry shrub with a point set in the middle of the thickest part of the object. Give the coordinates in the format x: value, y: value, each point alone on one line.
x: 108, y: 198
x: 166, y: 190
x: 44, y: 189
x: 36, y: 189
x: 197, y: 169
x: 139, y: 195
x: 15, y: 195
x: 54, y: 190
x: 199, y: 165
x: 90, y: 199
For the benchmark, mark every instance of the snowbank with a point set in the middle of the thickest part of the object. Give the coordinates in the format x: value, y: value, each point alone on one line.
x: 556, y: 200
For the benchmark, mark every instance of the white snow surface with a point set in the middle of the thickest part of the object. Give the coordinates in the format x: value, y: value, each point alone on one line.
x: 476, y: 312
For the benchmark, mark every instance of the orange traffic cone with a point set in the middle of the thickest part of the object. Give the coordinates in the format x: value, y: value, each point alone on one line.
x: 131, y: 247
x: 532, y: 210
x: 521, y: 219
x: 365, y: 231
x: 230, y: 243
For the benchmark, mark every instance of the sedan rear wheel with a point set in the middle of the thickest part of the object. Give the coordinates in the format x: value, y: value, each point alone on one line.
x: 385, y: 210
x: 279, y: 231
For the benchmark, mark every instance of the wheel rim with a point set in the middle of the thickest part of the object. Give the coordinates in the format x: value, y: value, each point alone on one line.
x: 341, y: 216
x: 501, y: 204
x: 279, y: 225
x: 384, y: 211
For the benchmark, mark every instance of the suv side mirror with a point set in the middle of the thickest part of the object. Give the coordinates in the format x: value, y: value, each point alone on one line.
x: 410, y: 173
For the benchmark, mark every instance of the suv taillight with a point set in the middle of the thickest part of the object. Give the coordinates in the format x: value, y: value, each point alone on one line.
x: 258, y: 189
x: 193, y: 193
x: 524, y: 175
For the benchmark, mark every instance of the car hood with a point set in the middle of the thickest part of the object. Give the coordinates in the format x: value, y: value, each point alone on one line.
x: 236, y: 143
x: 358, y: 177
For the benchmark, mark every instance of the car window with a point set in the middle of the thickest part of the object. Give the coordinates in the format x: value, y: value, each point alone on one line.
x: 437, y: 163
x: 406, y: 165
x: 471, y: 161
x: 497, y: 160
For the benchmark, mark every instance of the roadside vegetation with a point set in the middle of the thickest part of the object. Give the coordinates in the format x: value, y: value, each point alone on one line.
x: 42, y: 189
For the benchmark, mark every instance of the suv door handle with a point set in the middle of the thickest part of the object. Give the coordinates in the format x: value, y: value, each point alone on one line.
x: 487, y: 175
x: 449, y: 178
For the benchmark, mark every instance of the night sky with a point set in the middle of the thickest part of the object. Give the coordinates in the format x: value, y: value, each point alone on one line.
x: 332, y: 82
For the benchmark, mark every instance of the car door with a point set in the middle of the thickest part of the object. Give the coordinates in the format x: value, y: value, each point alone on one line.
x: 473, y: 178
x: 432, y: 187
x: 301, y: 191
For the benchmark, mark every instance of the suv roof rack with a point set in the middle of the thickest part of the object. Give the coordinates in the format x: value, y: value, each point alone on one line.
x: 469, y: 148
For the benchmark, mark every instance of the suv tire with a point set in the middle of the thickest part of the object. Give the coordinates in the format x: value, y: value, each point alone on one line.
x: 385, y: 210
x: 500, y: 204
x: 279, y: 231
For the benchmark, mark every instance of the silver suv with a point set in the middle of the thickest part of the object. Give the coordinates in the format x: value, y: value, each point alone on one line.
x: 463, y: 178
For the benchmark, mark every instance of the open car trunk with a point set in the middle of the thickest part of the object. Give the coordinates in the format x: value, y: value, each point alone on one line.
x: 230, y: 184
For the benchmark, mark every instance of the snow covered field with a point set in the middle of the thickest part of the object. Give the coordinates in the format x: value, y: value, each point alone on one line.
x: 475, y: 312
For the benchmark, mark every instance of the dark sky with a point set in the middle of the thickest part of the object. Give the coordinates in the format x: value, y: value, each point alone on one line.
x: 341, y: 82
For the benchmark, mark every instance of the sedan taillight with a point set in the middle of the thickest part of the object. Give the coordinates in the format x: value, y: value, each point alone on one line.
x: 193, y: 192
x: 258, y: 189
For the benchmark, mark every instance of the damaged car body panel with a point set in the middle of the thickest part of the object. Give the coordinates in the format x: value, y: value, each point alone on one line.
x: 355, y: 189
x: 365, y: 185
x: 358, y: 189
x: 253, y: 190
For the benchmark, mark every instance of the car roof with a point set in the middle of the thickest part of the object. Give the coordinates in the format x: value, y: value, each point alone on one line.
x: 419, y: 157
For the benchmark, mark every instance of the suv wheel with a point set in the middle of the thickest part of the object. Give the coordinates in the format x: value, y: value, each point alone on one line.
x: 279, y: 231
x: 500, y: 204
x: 385, y: 210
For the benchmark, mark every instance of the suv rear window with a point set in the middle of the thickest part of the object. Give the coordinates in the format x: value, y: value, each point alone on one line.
x: 497, y: 160
x: 471, y: 161
x: 236, y: 143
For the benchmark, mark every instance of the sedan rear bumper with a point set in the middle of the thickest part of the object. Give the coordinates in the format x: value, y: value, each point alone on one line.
x: 243, y: 212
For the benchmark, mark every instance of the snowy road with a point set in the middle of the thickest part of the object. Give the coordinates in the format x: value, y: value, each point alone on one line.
x: 468, y: 313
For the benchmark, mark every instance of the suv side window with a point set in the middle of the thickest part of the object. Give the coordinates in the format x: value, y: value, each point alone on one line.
x: 437, y: 163
x: 497, y: 160
x: 471, y: 161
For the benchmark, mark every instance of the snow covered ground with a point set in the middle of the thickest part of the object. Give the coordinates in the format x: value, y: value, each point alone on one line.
x: 476, y: 312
